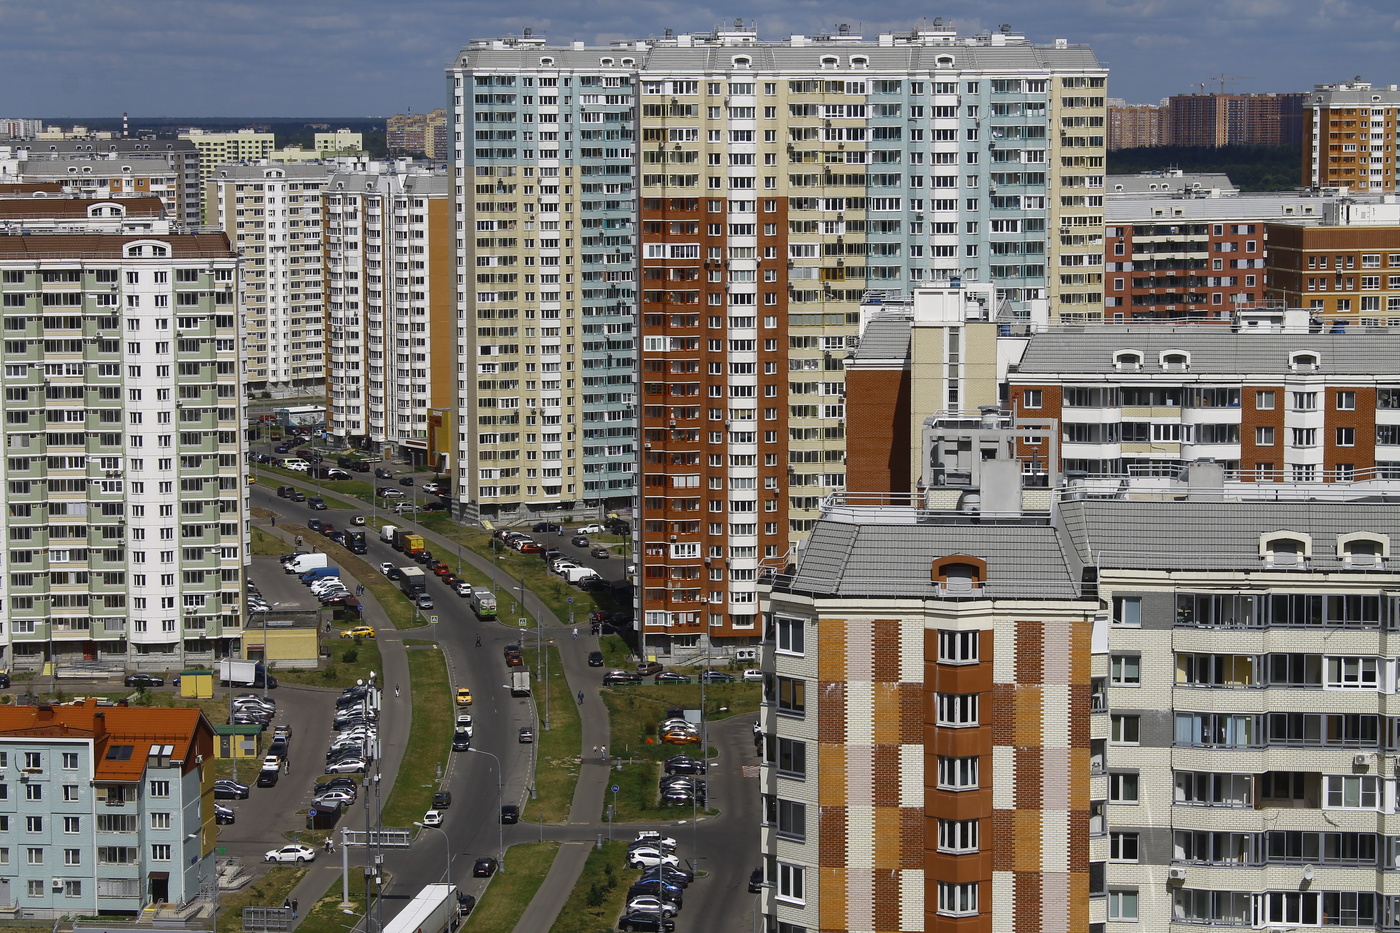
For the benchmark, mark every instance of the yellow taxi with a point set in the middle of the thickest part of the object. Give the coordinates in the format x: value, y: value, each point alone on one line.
x: 464, y: 696
x: 359, y: 631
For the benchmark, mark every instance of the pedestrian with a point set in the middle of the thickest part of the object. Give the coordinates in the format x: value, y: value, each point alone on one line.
x: 478, y: 641
x: 287, y: 904
x: 396, y: 689
x: 286, y: 766
x: 274, y: 521
x: 595, y: 749
x: 294, y: 908
x: 328, y: 844
x: 298, y: 540
x: 580, y: 698
x: 575, y: 633
x: 603, y: 751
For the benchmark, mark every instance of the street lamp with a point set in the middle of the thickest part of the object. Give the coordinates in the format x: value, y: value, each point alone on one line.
x: 500, y: 802
x: 447, y: 848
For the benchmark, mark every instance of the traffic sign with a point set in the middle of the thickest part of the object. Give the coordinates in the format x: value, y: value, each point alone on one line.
x: 433, y: 619
x: 615, y: 788
x: 522, y: 621
x: 571, y: 600
x: 311, y: 813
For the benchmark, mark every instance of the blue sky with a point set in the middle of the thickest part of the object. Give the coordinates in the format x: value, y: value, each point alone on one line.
x: 71, y: 58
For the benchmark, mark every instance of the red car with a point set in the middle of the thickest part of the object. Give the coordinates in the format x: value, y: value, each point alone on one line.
x: 326, y: 528
x: 442, y: 569
x: 530, y: 547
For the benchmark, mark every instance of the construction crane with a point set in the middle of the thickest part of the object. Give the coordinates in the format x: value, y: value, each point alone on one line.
x: 1220, y: 80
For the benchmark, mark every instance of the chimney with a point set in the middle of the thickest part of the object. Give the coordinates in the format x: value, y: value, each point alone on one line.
x: 126, y: 127
x: 99, y: 724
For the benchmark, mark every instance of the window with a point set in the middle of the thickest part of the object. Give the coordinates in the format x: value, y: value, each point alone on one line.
x: 957, y: 709
x: 160, y: 788
x: 70, y: 761
x: 790, y: 883
x: 1264, y: 437
x: 957, y: 836
x: 1123, y: 904
x: 1123, y: 787
x: 792, y: 696
x: 957, y: 773
x: 72, y: 856
x: 1125, y: 670
x: 1346, y: 437
x: 1123, y: 847
x: 792, y: 819
x: 160, y: 821
x: 957, y: 900
x: 1127, y: 611
x: 1351, y: 791
x: 1125, y: 730
x: 958, y: 647
x: 34, y: 824
x: 72, y: 824
x: 1346, y: 401
x: 1032, y: 398
x: 791, y: 635
x: 1264, y: 401
x: 792, y: 758
x: 1352, y: 673
x: 160, y: 852
x: 35, y: 856
x: 33, y: 792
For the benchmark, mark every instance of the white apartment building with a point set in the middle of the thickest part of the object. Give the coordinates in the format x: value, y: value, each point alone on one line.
x: 272, y: 216
x: 392, y: 327
x: 125, y: 520
x: 215, y: 149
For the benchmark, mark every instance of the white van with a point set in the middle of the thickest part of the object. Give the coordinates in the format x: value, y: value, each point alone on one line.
x: 296, y: 463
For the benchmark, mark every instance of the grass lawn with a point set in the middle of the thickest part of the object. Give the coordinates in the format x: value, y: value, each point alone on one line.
x: 429, y: 739
x: 324, y: 916
x: 267, y: 544
x: 351, y: 660
x: 505, y: 899
x: 600, y: 894
x: 268, y: 891
x: 558, y: 753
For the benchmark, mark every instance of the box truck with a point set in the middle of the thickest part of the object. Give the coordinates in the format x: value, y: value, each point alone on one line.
x: 483, y: 603
x: 413, y: 581
x: 387, y: 532
x: 304, y: 562
x: 409, y: 542
x: 234, y: 672
x: 355, y: 542
x: 520, y: 682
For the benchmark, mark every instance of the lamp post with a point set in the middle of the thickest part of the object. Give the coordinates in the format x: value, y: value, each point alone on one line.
x: 500, y: 802
x: 446, y: 845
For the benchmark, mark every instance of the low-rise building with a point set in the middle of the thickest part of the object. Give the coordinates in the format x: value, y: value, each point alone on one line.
x: 104, y: 809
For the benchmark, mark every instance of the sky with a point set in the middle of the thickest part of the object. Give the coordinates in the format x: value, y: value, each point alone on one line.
x: 329, y: 58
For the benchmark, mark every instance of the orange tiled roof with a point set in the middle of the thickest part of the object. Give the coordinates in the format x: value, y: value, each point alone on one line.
x: 113, y: 727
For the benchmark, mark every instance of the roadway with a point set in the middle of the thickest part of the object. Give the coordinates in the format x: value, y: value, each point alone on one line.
x: 471, y: 823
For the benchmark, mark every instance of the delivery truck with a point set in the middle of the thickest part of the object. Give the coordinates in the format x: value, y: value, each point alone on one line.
x: 409, y: 542
x: 304, y: 562
x: 235, y: 672
x: 483, y: 603
x: 355, y: 542
x: 413, y: 581
x: 387, y: 532
x: 520, y: 682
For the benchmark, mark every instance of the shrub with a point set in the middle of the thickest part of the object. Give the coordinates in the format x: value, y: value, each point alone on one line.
x: 350, y: 655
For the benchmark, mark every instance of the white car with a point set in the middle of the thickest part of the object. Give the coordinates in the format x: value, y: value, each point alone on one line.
x: 291, y: 854
x: 406, y: 508
x: 346, y: 766
x: 650, y: 857
x: 432, y: 818
x: 650, y: 904
x: 654, y: 838
x: 753, y: 675
x: 464, y: 723
x: 385, y: 567
x: 590, y: 530
x: 463, y: 588
x: 332, y: 797
x: 272, y: 763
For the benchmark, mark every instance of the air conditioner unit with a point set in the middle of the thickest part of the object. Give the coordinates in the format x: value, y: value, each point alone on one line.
x: 1176, y: 874
x: 745, y: 654
x: 1360, y: 760
x: 57, y: 884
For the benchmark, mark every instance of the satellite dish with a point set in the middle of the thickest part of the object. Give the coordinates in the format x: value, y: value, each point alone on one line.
x: 1308, y: 872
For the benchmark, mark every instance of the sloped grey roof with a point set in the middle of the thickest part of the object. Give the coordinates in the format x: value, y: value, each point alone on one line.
x: 1214, y: 535
x: 1213, y: 349
x: 1134, y: 208
x: 886, y: 337
x: 887, y: 560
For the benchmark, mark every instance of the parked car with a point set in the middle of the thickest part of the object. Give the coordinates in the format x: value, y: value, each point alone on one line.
x: 673, y: 874
x: 464, y: 696
x: 510, y: 813
x: 716, y: 677
x: 424, y: 601
x: 143, y: 680
x: 756, y: 881
x: 592, y: 530
x: 385, y: 567
x: 685, y: 764
x: 615, y: 678
x: 461, y: 741
x: 292, y: 853
x: 225, y: 789
x: 527, y: 735
x: 650, y: 903
x: 595, y: 659
x: 753, y: 675
x: 223, y: 815
x: 357, y: 519
x: 646, y: 923
x: 671, y: 677
x: 652, y: 837
x: 601, y: 552
x: 484, y: 868
x: 406, y: 508
x: 648, y: 668
x: 317, y: 503
x: 463, y: 588
x: 658, y: 887
x: 649, y: 857
x: 547, y: 527
x: 442, y: 800
x: 267, y: 778
x: 388, y: 492
x: 432, y: 818
x: 346, y: 765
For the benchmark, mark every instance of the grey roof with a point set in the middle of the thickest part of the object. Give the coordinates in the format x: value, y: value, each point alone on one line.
x: 1125, y: 208
x: 885, y: 560
x: 258, y: 171
x: 1213, y: 349
x: 61, y: 148
x: 437, y: 184
x: 1222, y: 536
x: 1165, y: 183
x: 886, y: 337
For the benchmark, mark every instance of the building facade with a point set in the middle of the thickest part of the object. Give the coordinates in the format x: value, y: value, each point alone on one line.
x: 126, y: 511
x: 1349, y: 136
x: 392, y: 327
x: 165, y: 168
x: 1133, y: 126
x: 272, y: 214
x: 109, y: 809
x: 215, y: 149
x: 1345, y: 268
x: 777, y: 182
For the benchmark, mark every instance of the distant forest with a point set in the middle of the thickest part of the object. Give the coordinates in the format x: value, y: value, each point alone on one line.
x: 1251, y: 168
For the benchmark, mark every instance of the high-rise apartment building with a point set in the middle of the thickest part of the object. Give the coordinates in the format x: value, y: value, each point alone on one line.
x: 272, y: 215
x: 165, y: 168
x: 419, y: 134
x: 1349, y: 136
x: 390, y: 265
x: 1131, y: 126
x: 776, y: 184
x: 1234, y: 119
x: 125, y: 506
x: 1345, y: 268
x: 215, y: 149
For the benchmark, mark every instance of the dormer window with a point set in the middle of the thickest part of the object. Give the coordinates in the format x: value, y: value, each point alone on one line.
x: 1175, y: 361
x: 830, y: 61
x: 1363, y: 550
x: 743, y: 61
x: 1128, y: 361
x: 605, y: 61
x: 943, y: 61
x: 959, y: 575
x: 1285, y: 550
x: 1305, y: 361
x: 860, y: 61
x: 547, y: 61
